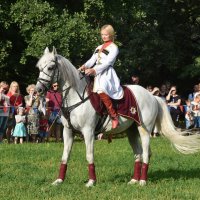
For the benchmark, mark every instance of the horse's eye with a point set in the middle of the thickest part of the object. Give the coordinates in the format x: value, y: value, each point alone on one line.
x: 50, y: 68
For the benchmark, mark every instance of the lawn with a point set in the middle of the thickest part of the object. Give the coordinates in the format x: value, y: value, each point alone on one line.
x: 27, y: 171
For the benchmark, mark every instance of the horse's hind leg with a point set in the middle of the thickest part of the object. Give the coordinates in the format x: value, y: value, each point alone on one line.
x: 145, y: 140
x: 133, y: 137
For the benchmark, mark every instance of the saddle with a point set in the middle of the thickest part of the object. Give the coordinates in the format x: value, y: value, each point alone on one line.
x: 126, y: 107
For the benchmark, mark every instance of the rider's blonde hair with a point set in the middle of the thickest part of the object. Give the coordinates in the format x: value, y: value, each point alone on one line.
x: 110, y: 30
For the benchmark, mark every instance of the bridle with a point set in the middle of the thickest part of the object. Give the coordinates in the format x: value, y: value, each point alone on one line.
x: 49, y: 82
x: 65, y: 110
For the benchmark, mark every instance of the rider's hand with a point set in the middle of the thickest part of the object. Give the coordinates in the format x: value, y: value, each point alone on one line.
x: 90, y: 72
x: 82, y: 68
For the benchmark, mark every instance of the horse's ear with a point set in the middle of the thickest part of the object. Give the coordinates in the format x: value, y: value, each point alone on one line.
x: 46, y: 50
x: 54, y: 51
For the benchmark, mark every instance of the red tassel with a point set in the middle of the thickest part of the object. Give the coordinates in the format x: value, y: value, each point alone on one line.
x: 137, y: 170
x: 144, y: 171
x: 62, y: 172
x: 92, y: 174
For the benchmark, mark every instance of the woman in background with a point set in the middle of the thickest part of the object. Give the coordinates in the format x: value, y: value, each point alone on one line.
x: 16, y: 100
x: 4, y: 108
x: 174, y: 102
x: 32, y: 103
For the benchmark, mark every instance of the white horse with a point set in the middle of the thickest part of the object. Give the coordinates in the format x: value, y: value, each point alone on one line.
x: 79, y: 115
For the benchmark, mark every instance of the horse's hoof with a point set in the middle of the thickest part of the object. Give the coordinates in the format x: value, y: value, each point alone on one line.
x: 143, y: 182
x: 90, y: 183
x: 57, y: 182
x: 133, y: 181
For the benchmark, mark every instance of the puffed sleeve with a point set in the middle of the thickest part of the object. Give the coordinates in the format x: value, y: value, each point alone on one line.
x: 108, y: 61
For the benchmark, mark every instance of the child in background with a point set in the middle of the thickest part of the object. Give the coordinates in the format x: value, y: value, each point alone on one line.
x: 20, y: 129
x: 43, y: 127
x: 188, y: 114
x: 196, y: 110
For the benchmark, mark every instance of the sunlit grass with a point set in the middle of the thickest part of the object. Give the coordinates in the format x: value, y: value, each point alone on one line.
x: 27, y: 171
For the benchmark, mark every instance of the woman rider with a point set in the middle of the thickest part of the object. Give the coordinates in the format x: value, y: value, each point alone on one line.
x: 100, y: 65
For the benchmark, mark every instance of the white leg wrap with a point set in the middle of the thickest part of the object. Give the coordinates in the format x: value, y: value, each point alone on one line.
x: 57, y: 181
x: 143, y: 182
x: 133, y: 181
x: 90, y: 183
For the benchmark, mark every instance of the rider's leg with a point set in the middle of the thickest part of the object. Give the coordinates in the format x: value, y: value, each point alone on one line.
x: 111, y: 111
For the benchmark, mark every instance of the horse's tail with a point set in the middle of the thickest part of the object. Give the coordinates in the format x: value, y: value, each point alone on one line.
x: 184, y: 144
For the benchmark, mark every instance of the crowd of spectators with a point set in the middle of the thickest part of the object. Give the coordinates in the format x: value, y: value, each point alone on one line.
x: 187, y: 108
x: 21, y: 117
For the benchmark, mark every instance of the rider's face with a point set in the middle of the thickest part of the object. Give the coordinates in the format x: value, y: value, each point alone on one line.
x: 105, y: 35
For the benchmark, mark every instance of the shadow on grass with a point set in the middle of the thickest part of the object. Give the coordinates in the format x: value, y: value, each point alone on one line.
x: 175, y: 174
x: 159, y: 175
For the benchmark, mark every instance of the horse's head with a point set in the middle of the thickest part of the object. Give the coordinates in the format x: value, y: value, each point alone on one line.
x: 49, y: 72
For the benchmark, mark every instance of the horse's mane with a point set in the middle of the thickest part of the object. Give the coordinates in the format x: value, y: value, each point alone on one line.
x: 69, y: 72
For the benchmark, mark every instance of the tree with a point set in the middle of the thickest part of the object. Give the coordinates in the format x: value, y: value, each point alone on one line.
x: 158, y: 39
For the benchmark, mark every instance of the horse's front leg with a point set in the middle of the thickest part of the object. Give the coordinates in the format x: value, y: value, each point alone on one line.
x: 89, y: 142
x: 68, y: 139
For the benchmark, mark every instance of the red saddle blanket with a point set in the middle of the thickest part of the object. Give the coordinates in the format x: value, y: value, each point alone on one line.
x: 126, y: 107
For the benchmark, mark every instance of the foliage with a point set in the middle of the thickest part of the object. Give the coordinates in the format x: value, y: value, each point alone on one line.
x: 5, y: 44
x: 28, y: 170
x: 157, y: 39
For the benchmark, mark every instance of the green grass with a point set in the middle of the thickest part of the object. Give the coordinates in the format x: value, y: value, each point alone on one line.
x: 27, y: 171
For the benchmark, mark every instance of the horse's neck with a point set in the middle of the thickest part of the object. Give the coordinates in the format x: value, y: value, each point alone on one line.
x: 70, y: 79
x: 72, y: 95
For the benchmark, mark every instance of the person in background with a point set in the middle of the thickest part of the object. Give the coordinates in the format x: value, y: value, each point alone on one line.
x: 20, y: 129
x: 101, y: 65
x: 155, y: 91
x: 149, y: 88
x: 198, y: 87
x: 135, y: 79
x: 16, y: 100
x: 43, y: 127
x: 168, y: 86
x: 54, y: 103
x: 195, y: 90
x: 4, y: 108
x: 174, y: 102
x: 188, y: 114
x: 196, y: 110
x: 32, y: 102
x: 163, y: 92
